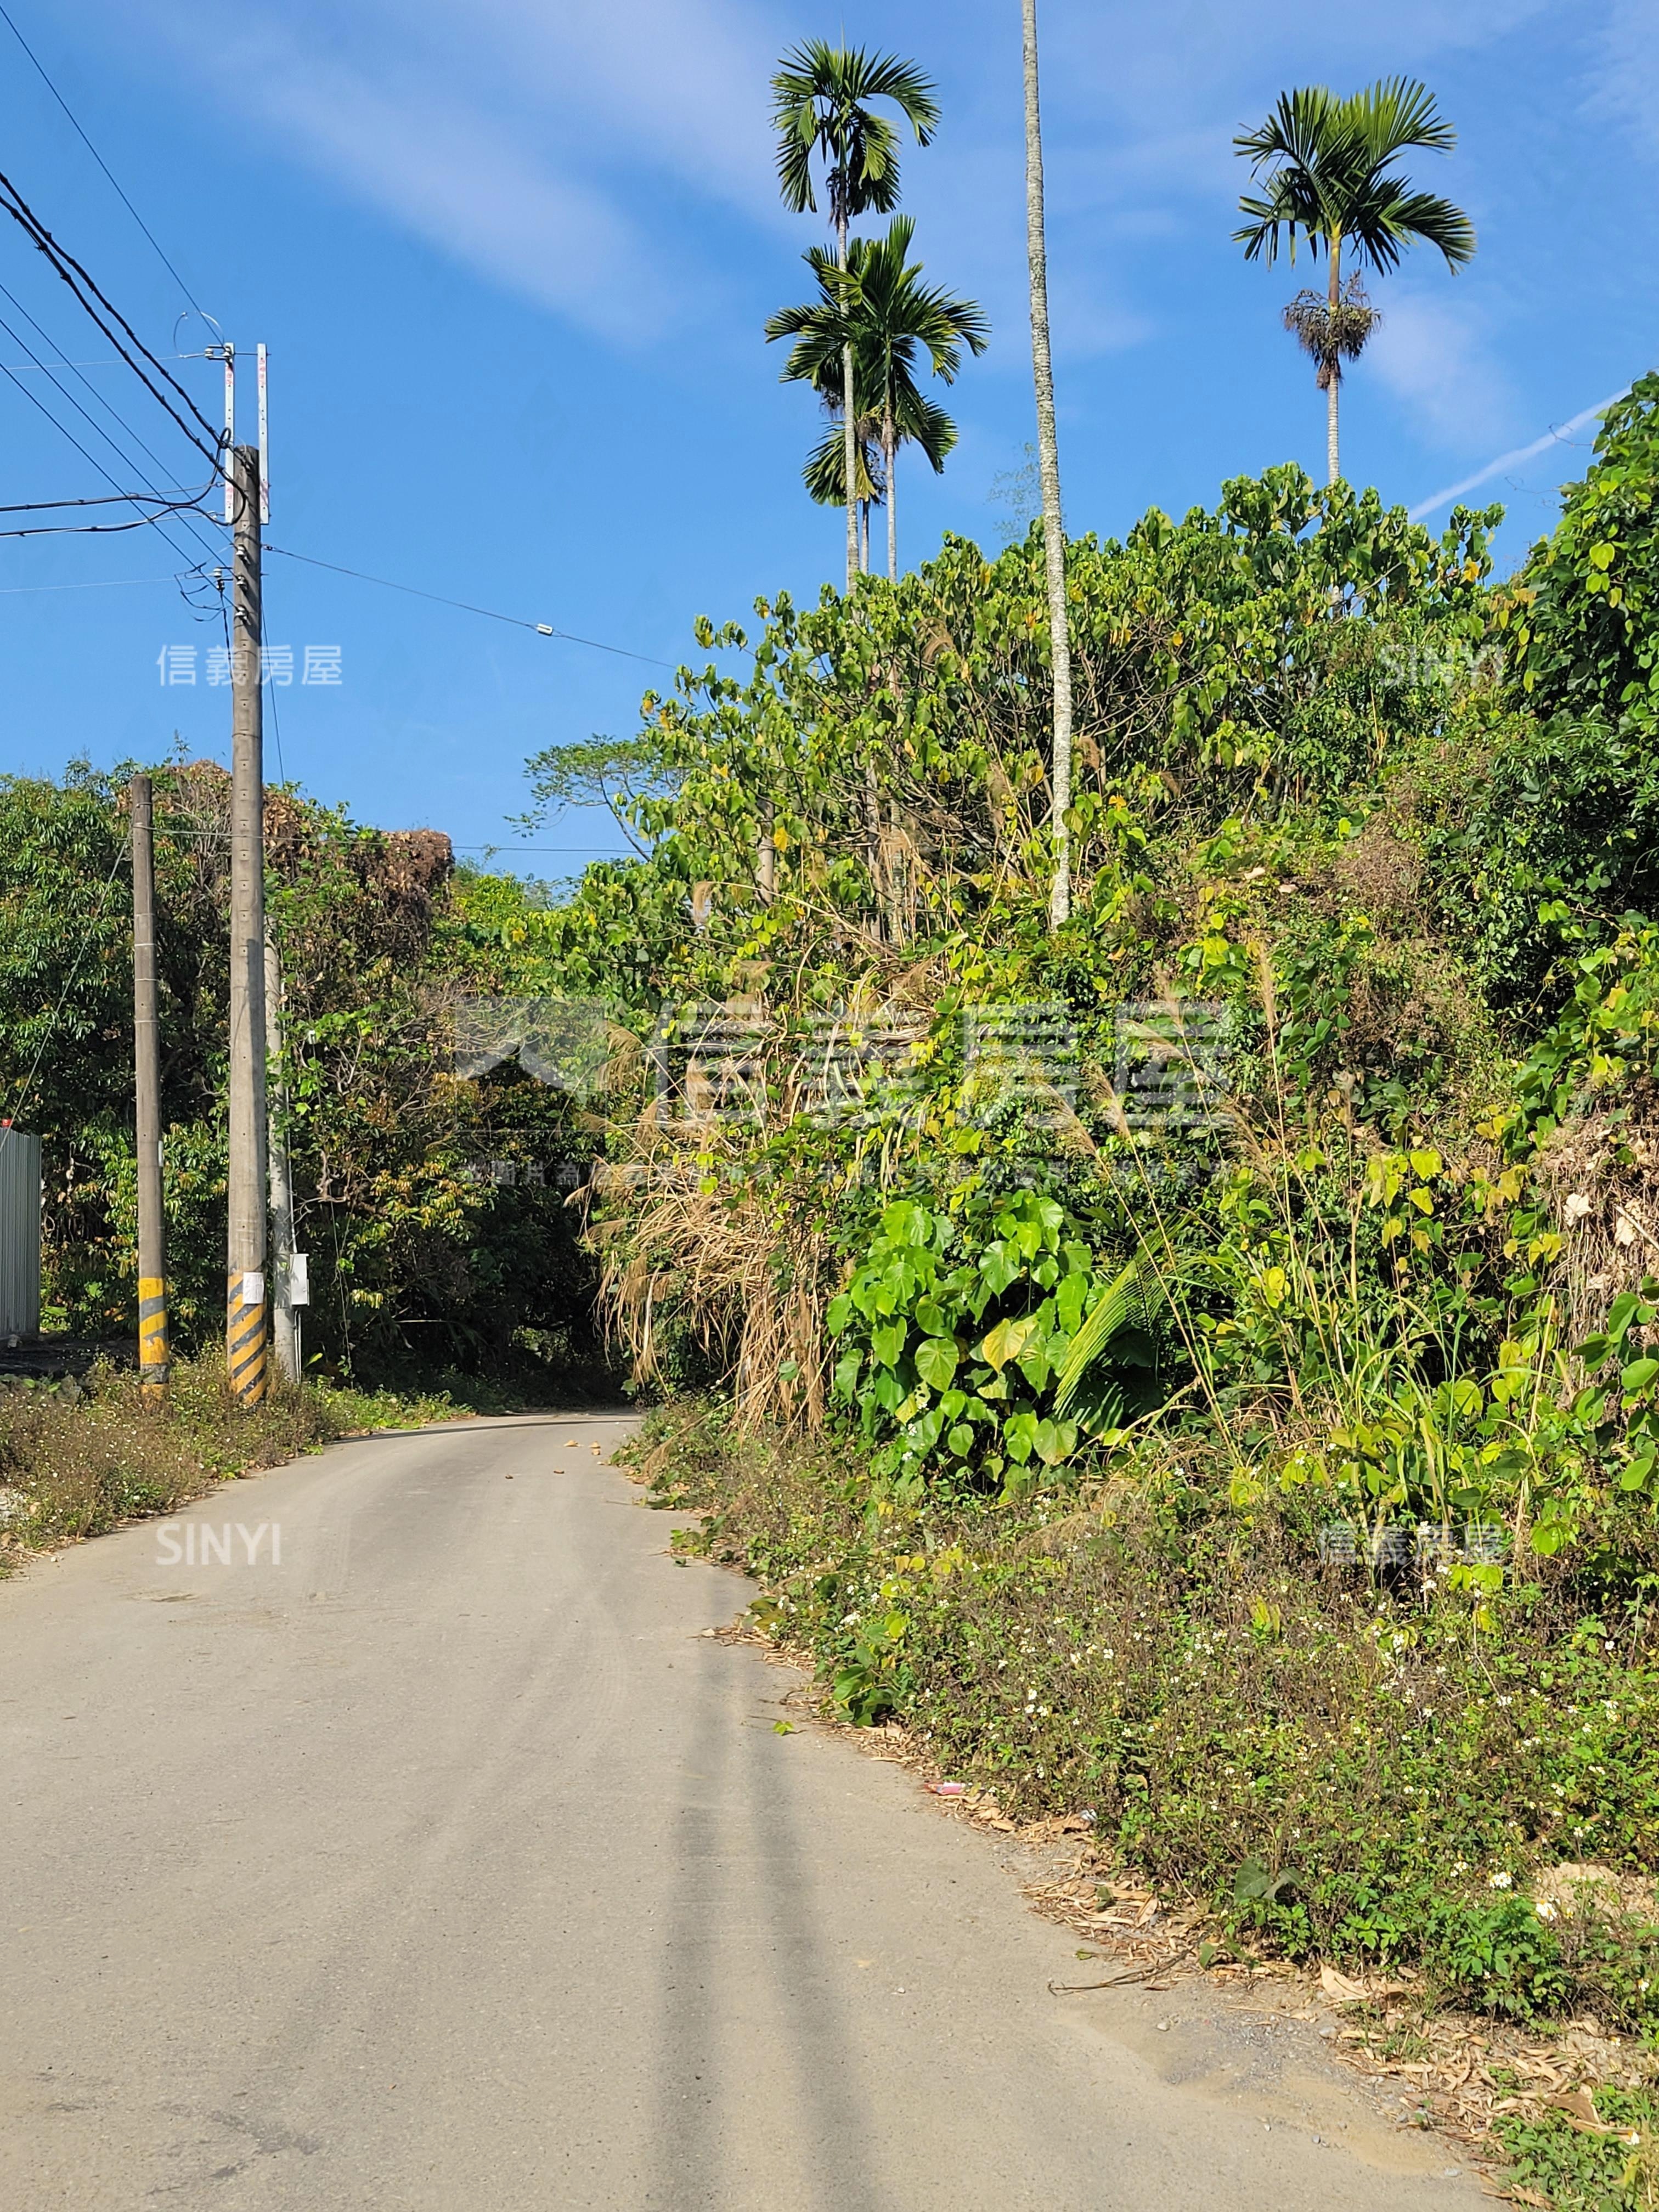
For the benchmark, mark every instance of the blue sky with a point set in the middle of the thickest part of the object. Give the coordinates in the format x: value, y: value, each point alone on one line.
x: 511, y: 261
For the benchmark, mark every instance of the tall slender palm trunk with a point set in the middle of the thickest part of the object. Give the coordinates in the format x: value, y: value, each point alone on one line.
x: 1054, y: 530
x: 1333, y: 389
x: 890, y: 457
x: 849, y: 447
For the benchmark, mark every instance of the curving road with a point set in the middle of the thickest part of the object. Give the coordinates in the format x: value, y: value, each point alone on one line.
x: 440, y: 1863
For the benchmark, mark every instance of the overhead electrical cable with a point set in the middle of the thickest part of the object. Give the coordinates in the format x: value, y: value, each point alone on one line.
x: 205, y: 545
x: 114, y: 362
x: 81, y: 284
x: 106, y: 499
x: 98, y: 584
x: 108, y: 530
x: 189, y: 503
x: 489, y: 614
x: 74, y: 368
x: 75, y: 124
x: 101, y: 528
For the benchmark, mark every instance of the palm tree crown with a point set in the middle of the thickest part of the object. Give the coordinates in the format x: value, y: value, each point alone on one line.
x: 821, y: 98
x: 876, y: 307
x: 1328, y: 175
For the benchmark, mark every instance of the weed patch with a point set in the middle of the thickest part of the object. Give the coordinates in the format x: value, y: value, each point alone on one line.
x: 1334, y: 1769
x: 77, y: 1462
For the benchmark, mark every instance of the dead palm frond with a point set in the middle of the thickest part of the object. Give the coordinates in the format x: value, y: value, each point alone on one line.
x: 1331, y: 333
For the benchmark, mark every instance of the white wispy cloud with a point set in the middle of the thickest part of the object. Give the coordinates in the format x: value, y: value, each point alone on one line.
x: 512, y: 136
x: 1626, y: 83
x: 1141, y: 106
x: 1434, y: 354
x: 1516, y: 459
x: 575, y: 152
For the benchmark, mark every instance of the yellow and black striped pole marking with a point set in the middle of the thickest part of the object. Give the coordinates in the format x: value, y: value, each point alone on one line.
x: 153, y: 1364
x: 245, y: 1337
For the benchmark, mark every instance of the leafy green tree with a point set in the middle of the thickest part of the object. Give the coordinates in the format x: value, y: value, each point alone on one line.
x: 431, y: 1204
x: 1326, y: 169
x: 877, y: 307
x: 1211, y: 675
x: 822, y: 97
x: 1586, y: 617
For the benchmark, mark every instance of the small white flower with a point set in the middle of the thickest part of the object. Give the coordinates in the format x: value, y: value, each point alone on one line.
x: 1545, y: 1909
x: 1503, y: 1881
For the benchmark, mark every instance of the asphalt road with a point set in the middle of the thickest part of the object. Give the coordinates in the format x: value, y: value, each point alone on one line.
x: 440, y: 1863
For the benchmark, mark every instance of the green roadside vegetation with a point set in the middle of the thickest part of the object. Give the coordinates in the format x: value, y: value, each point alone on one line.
x: 443, y: 1252
x: 78, y: 1458
x: 1198, y: 1366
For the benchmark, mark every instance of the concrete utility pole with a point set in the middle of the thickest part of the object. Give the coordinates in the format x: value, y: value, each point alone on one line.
x: 244, y: 1319
x: 284, y: 1332
x: 147, y: 1116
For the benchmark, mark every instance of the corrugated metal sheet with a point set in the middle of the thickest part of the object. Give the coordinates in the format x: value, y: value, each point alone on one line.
x: 20, y: 1234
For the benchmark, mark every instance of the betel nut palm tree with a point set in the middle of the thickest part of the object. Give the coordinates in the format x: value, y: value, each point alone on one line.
x: 920, y: 421
x: 822, y: 109
x: 878, y: 310
x: 1328, y: 179
x: 1054, y: 529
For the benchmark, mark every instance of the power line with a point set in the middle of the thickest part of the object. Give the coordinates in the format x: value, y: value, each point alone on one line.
x: 103, y: 163
x: 95, y: 529
x: 58, y: 385
x: 114, y: 530
x: 65, y: 266
x: 110, y: 499
x: 489, y: 614
x: 102, y: 584
x: 114, y: 362
x: 116, y: 418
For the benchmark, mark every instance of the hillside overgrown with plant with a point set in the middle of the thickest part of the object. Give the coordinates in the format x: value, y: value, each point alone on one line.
x: 1200, y: 1364
x: 1197, y: 1366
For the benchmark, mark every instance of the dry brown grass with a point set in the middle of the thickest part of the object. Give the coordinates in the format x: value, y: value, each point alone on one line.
x: 1601, y: 1174
x: 77, y: 1463
x: 694, y: 1241
x: 752, y: 1279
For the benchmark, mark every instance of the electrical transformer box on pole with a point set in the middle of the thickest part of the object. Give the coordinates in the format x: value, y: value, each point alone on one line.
x: 20, y: 1235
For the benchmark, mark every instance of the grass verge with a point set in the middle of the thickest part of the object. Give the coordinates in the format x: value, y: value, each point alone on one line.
x: 1334, y: 1769
x: 77, y: 1462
